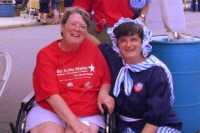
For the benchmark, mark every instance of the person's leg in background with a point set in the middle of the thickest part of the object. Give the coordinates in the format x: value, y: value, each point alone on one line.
x: 198, y: 5
x: 193, y: 5
x: 45, y: 18
x: 55, y: 12
x: 46, y: 11
x: 40, y: 11
x: 39, y: 17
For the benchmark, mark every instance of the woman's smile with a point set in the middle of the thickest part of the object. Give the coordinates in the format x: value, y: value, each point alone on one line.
x: 74, y: 31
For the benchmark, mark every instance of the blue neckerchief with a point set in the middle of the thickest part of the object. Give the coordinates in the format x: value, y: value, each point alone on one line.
x: 163, y: 129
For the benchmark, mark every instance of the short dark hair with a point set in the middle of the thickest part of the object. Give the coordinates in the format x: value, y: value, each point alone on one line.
x: 128, y: 29
x: 85, y: 15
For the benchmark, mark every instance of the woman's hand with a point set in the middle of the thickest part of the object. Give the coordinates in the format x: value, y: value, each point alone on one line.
x: 149, y: 128
x: 144, y: 11
x: 79, y: 127
x: 106, y: 99
x: 143, y: 20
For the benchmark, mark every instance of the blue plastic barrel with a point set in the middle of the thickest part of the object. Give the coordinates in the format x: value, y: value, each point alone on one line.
x: 7, y: 10
x: 183, y: 60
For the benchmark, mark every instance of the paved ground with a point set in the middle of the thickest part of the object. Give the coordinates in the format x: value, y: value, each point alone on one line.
x: 22, y: 44
x: 20, y: 21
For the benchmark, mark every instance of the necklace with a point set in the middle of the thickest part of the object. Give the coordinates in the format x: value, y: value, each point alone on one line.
x: 69, y: 75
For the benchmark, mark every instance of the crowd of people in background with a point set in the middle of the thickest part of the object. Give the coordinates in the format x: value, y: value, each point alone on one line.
x: 45, y: 6
x: 51, y: 8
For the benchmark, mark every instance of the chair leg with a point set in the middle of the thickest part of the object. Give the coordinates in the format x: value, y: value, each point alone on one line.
x: 12, y: 127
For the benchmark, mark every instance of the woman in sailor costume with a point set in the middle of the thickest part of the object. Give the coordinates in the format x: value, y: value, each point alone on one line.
x: 142, y: 85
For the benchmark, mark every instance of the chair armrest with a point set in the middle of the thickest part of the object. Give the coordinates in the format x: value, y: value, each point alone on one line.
x: 26, y: 105
x: 27, y: 102
x: 29, y: 97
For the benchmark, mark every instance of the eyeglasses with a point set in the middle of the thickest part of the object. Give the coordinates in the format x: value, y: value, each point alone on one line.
x: 74, y: 25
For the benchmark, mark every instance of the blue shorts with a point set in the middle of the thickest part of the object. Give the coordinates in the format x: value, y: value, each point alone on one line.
x: 38, y: 115
x: 55, y: 6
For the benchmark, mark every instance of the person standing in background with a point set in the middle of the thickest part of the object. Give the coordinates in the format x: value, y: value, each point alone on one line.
x: 55, y: 4
x: 194, y: 7
x: 107, y: 13
x: 44, y: 8
x: 68, y: 4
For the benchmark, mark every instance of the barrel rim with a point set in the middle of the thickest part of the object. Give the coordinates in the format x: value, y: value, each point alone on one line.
x: 171, y: 42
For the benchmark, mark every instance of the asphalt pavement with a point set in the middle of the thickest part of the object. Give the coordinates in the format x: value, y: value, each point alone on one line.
x: 22, y: 44
x: 22, y: 38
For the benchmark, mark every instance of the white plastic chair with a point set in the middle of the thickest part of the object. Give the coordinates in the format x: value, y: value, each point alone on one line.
x: 5, y: 69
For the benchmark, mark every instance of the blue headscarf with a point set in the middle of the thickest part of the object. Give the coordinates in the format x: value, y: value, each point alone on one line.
x: 146, y: 47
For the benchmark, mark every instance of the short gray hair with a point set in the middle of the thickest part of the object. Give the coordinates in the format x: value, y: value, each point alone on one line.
x: 85, y: 15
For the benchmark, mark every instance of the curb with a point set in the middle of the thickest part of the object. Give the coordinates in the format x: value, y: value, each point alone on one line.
x: 17, y: 25
x: 50, y: 21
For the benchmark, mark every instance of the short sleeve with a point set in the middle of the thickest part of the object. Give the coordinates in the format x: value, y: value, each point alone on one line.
x: 44, y: 77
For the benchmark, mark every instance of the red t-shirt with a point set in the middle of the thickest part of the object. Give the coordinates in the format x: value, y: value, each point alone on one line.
x: 59, y: 72
x: 111, y: 10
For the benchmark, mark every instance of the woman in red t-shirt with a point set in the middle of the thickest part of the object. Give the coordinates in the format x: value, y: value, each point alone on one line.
x: 71, y: 81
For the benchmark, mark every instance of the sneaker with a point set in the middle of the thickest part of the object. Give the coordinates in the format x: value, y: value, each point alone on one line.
x: 44, y: 23
x: 38, y: 20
